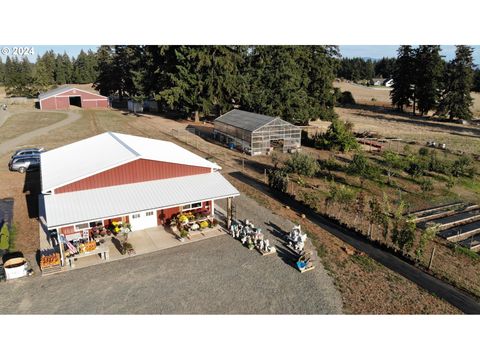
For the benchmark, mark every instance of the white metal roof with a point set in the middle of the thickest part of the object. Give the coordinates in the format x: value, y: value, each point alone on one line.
x: 89, y: 205
x: 63, y: 89
x: 90, y: 156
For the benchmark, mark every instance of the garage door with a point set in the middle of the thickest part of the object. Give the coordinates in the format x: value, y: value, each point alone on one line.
x: 143, y: 220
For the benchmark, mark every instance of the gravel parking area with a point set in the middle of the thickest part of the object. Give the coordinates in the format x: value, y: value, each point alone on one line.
x: 214, y: 276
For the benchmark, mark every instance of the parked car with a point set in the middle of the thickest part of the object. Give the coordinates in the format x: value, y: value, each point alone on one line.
x: 27, y: 152
x: 24, y: 163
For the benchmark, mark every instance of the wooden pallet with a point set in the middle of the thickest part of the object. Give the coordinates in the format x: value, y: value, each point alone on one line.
x: 307, y: 269
x: 267, y: 253
x: 51, y: 270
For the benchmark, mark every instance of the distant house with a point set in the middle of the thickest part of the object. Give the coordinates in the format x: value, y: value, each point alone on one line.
x: 388, y: 83
x: 377, y: 81
x: 381, y: 82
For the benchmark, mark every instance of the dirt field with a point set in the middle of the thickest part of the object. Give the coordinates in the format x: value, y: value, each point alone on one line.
x: 457, y: 137
x: 380, y: 96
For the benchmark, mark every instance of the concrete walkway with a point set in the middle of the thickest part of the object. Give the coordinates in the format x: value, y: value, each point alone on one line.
x: 10, y: 145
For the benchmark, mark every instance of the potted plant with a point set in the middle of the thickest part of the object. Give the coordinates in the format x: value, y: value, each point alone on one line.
x: 183, y: 234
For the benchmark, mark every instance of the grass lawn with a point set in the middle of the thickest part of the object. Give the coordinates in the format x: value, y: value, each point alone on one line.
x: 19, y: 124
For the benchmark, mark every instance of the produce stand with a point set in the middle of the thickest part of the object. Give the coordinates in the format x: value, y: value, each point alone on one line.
x: 50, y: 263
x: 101, y: 250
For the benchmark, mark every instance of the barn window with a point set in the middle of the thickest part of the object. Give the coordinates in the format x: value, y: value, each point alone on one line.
x: 192, y: 206
x: 79, y: 227
x: 135, y: 216
x: 149, y: 213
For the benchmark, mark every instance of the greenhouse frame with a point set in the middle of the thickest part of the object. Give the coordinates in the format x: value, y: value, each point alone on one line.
x: 256, y: 134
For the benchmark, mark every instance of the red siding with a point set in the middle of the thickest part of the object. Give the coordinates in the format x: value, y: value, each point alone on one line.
x: 67, y: 230
x: 133, y: 172
x: 166, y: 214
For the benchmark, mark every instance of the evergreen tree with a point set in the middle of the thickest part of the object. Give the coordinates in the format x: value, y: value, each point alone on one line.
x: 68, y: 62
x: 18, y: 77
x: 84, y: 68
x: 2, y: 71
x: 385, y: 67
x: 294, y: 82
x: 205, y: 79
x: 456, y: 100
x: 106, y: 82
x: 63, y: 69
x: 403, y: 79
x: 48, y: 63
x: 476, y: 81
x: 43, y: 77
x: 429, y: 68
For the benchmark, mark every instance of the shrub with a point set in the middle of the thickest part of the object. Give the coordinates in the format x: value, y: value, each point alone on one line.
x: 340, y: 194
x: 463, y: 166
x: 4, y: 237
x: 423, y: 151
x: 278, y: 180
x: 302, y: 164
x: 310, y: 198
x: 426, y: 185
x: 362, y: 167
x: 346, y: 98
x: 339, y: 136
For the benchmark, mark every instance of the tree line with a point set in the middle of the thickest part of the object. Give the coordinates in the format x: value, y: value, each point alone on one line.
x: 426, y: 82
x: 356, y: 69
x: 294, y: 82
x: 23, y: 78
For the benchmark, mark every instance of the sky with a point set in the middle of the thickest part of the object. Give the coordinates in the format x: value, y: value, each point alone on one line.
x: 370, y: 51
x: 379, y: 51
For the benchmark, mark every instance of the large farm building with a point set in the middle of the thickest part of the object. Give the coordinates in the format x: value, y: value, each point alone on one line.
x: 117, y: 177
x: 256, y: 134
x: 64, y: 97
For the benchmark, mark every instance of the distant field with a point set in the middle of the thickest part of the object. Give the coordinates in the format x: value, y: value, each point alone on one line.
x: 380, y: 96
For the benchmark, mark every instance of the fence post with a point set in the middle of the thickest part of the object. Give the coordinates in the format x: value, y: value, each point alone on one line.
x: 431, y: 258
x: 265, y: 175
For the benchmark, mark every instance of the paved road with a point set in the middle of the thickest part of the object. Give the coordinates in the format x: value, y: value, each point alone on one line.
x: 454, y: 296
x: 214, y: 276
x: 9, y: 145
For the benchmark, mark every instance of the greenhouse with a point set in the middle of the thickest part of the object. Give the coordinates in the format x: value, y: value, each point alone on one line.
x: 256, y: 134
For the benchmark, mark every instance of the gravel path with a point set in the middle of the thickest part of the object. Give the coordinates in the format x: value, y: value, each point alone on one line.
x: 10, y: 145
x: 4, y: 115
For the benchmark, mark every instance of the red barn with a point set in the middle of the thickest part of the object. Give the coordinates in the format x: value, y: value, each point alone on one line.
x: 64, y: 97
x: 118, y: 177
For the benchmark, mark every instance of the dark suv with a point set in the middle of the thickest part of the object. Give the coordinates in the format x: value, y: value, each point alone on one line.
x: 24, y: 163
